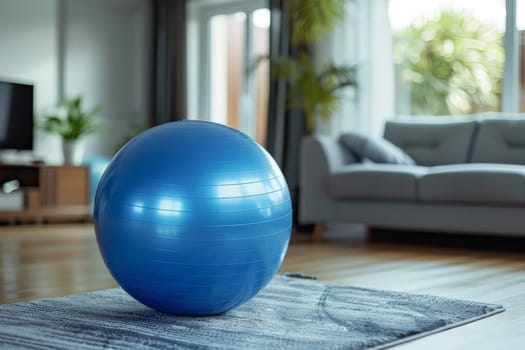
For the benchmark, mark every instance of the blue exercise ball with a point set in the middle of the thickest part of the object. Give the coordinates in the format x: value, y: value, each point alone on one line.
x: 192, y: 218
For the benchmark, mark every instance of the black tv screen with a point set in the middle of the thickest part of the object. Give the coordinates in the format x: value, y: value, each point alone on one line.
x: 16, y: 116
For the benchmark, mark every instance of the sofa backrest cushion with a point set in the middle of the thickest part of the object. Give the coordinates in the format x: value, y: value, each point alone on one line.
x: 377, y: 150
x: 433, y: 142
x: 500, y: 141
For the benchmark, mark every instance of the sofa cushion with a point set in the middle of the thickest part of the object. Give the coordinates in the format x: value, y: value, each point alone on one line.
x: 438, y: 141
x: 375, y: 149
x: 474, y: 183
x: 375, y: 181
x: 500, y: 141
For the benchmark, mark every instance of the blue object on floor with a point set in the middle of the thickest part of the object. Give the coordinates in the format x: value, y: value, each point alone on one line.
x: 192, y: 217
x: 96, y: 166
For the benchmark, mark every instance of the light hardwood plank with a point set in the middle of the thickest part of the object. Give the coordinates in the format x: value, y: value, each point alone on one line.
x: 54, y: 260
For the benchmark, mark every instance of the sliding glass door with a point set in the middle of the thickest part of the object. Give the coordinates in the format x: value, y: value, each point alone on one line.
x: 224, y: 40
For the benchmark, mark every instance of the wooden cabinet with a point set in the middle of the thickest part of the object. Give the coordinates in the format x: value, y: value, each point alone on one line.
x: 66, y: 185
x: 51, y: 193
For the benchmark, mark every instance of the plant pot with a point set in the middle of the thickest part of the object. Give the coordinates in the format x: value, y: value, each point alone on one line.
x: 68, y: 150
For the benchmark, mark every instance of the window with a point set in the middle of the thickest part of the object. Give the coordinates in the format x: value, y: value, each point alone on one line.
x: 520, y: 23
x: 450, y: 56
x: 223, y: 42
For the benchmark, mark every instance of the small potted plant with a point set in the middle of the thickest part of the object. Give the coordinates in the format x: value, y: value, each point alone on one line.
x: 71, y: 122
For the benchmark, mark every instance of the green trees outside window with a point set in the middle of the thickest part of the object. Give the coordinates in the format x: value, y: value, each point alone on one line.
x: 451, y: 64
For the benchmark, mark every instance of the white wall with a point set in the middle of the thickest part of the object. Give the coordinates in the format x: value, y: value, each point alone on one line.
x: 105, y: 59
x: 28, y: 46
x: 29, y: 52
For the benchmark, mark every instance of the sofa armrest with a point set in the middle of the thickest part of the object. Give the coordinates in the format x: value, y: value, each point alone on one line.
x: 320, y: 156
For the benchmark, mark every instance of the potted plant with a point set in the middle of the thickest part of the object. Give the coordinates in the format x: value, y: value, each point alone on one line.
x: 314, y: 90
x: 71, y: 122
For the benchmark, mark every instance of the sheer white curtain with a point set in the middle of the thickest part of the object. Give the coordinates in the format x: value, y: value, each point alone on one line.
x: 364, y: 39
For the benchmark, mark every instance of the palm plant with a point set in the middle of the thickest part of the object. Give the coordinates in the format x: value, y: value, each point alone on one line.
x: 316, y: 91
x: 312, y: 19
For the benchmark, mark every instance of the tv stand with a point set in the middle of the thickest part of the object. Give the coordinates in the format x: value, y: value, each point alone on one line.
x: 51, y: 193
x: 17, y: 157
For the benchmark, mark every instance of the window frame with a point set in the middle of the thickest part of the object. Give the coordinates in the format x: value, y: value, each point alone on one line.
x: 200, y: 14
x: 510, y: 97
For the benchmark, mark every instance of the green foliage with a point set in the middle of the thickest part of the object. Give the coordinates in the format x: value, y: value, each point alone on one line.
x: 313, y: 91
x: 453, y: 64
x: 71, y: 122
x: 312, y: 19
x: 316, y: 91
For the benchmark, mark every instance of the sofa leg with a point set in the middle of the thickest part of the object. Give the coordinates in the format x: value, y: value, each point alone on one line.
x: 317, y: 233
x: 372, y: 234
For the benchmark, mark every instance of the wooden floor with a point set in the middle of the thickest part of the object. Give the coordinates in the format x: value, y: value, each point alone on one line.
x: 53, y: 260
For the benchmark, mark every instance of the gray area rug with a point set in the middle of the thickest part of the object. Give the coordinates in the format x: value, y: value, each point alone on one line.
x: 289, y: 314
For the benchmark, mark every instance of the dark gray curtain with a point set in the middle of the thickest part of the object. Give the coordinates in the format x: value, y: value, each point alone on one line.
x: 168, y: 83
x: 285, y: 127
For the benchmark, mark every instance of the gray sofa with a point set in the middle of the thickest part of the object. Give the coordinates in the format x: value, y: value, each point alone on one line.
x: 469, y: 177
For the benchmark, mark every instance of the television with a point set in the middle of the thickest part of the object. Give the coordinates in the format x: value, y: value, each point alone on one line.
x: 16, y: 116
